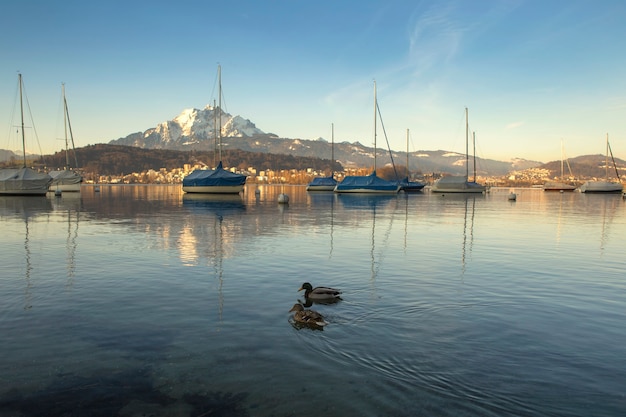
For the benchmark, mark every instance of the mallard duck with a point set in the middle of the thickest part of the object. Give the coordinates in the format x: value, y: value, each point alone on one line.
x: 307, y: 317
x: 320, y: 293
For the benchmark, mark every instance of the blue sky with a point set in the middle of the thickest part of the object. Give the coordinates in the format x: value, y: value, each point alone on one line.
x: 532, y: 73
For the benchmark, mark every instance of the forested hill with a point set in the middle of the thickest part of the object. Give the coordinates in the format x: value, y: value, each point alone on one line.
x: 106, y: 159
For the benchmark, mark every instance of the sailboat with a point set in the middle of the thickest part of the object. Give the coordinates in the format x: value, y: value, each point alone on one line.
x: 605, y: 186
x: 460, y: 183
x: 218, y: 180
x: 559, y: 185
x: 368, y: 183
x: 406, y: 185
x: 23, y: 181
x: 66, y: 179
x: 326, y: 183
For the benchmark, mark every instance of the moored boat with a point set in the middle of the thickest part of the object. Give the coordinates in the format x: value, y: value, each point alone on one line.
x: 460, y: 183
x: 24, y: 180
x: 605, y: 186
x: 368, y: 183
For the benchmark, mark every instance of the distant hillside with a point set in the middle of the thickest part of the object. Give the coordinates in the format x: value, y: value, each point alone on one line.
x: 195, y: 129
x: 586, y: 166
x: 116, y: 160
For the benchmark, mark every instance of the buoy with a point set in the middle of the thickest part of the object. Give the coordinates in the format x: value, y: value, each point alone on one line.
x: 96, y: 189
x: 512, y: 197
x: 283, y: 199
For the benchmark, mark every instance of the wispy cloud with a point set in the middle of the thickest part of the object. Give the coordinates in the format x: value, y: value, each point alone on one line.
x: 434, y: 35
x: 514, y: 125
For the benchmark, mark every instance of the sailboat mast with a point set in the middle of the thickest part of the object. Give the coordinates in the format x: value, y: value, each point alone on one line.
x: 332, y: 149
x: 466, y: 145
x: 606, y: 160
x: 375, y: 126
x: 22, y: 114
x: 562, y: 157
x: 67, y: 157
x: 219, y: 76
x: 474, y: 153
x: 214, y: 133
x: 407, y: 153
x: 69, y: 128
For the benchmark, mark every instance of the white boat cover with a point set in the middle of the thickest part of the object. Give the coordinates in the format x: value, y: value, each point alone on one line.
x: 23, y: 181
x: 456, y: 183
x: 65, y: 177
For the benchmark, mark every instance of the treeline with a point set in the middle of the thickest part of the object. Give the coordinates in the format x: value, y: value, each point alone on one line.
x: 105, y: 159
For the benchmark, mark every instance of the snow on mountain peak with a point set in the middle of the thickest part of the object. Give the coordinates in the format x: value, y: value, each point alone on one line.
x: 193, y: 126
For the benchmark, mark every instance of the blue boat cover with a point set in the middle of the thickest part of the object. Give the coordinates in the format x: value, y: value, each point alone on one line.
x: 370, y: 182
x: 326, y: 181
x: 209, y: 177
x: 407, y: 185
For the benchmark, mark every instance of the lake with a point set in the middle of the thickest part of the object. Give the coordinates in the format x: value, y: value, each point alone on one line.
x: 145, y: 301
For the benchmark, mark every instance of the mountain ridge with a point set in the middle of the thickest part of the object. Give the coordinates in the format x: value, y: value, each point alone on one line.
x: 195, y: 129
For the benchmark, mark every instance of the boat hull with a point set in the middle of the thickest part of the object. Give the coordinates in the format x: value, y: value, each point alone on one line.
x: 213, y: 189
x: 320, y: 187
x: 601, y: 187
x: 558, y: 186
x: 455, y: 184
x: 66, y: 188
x: 24, y: 192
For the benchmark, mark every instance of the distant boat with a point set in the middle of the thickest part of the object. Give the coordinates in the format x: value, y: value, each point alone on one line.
x: 23, y: 181
x: 368, y: 183
x: 605, y: 186
x: 67, y: 179
x: 559, y: 185
x: 459, y: 183
x: 326, y: 183
x: 405, y: 184
x: 219, y: 180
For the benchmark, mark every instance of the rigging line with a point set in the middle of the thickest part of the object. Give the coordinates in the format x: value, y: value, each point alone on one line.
x: 69, y: 125
x: 13, y: 112
x: 613, y: 159
x: 387, y: 140
x: 32, y: 121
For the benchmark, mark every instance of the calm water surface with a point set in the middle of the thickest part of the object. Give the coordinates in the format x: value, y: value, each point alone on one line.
x: 140, y: 300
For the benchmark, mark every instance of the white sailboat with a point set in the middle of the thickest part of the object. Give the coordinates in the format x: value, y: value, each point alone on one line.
x: 218, y: 180
x: 605, y: 186
x: 560, y: 185
x: 460, y: 183
x: 24, y: 180
x: 66, y: 180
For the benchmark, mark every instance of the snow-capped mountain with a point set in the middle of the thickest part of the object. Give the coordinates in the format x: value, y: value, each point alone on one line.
x: 192, y: 129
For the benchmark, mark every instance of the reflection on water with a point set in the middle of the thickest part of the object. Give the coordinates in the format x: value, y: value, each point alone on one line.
x: 183, y: 301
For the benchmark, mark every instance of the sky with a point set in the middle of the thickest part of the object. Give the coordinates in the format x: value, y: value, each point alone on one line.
x: 537, y: 76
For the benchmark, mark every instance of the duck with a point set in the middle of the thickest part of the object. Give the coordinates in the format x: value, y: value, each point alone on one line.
x: 307, y: 317
x: 320, y: 293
